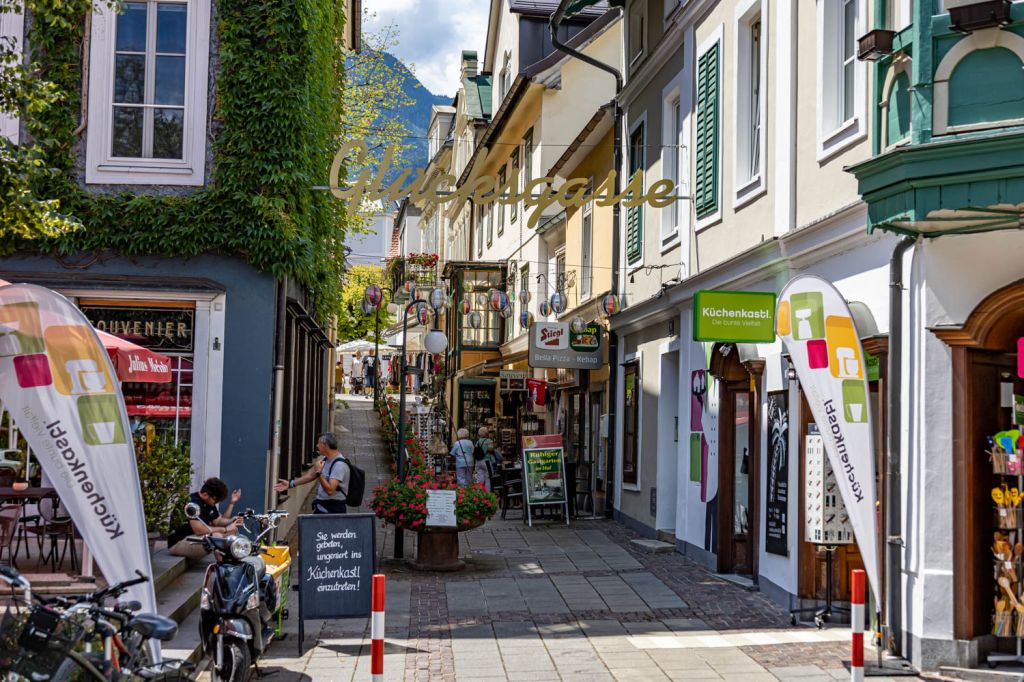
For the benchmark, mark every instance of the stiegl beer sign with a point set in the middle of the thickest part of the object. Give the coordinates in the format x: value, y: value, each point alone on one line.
x: 555, y: 345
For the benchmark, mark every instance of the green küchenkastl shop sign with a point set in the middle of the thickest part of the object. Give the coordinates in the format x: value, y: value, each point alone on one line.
x: 734, y: 316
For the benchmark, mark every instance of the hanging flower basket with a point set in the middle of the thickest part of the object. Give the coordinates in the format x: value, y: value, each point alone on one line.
x: 426, y: 260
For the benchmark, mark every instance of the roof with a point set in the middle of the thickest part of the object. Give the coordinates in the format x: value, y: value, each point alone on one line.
x: 547, y: 7
x: 478, y: 95
x: 603, y: 115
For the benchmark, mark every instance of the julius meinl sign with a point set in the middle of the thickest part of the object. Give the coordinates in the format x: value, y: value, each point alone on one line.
x: 484, y: 189
x: 734, y: 316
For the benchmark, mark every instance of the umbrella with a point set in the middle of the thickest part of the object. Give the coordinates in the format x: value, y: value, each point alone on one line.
x: 135, y: 363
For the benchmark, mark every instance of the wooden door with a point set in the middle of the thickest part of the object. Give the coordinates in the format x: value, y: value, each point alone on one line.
x: 737, y: 480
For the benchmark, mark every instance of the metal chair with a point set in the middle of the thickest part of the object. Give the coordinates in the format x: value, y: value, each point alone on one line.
x: 56, y: 526
x: 583, y: 471
x: 9, y: 515
x: 511, y: 489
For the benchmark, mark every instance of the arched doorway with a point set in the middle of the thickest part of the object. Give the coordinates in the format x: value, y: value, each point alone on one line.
x: 739, y: 372
x: 984, y: 370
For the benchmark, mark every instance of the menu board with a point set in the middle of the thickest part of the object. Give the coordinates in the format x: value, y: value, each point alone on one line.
x: 337, y: 555
x: 441, y: 508
x: 544, y: 478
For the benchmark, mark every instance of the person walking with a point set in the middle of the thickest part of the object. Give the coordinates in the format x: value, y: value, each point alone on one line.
x: 332, y: 474
x: 357, y: 374
x: 462, y: 451
x: 370, y: 372
x: 489, y: 462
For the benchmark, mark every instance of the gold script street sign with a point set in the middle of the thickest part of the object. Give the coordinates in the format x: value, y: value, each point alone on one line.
x: 485, y: 190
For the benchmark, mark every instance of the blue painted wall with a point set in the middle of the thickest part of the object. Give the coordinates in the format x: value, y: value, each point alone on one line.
x: 248, y: 348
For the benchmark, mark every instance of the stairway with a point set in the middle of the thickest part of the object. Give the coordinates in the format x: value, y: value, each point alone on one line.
x: 178, y: 587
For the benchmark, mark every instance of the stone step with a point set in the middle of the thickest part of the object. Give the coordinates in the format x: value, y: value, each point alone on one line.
x: 668, y: 536
x: 186, y: 646
x: 978, y: 674
x: 652, y: 546
x: 179, y: 598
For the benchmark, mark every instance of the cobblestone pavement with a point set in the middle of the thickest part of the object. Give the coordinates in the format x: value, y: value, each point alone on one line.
x: 554, y: 603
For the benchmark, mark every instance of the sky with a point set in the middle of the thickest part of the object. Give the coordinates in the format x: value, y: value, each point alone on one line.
x: 432, y: 35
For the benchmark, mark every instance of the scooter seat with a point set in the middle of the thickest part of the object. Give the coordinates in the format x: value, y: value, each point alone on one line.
x: 259, y: 564
x: 152, y: 625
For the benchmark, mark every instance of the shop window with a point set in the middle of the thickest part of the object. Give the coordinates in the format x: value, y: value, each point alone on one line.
x: 148, y: 93
x: 631, y: 423
x: 477, y: 285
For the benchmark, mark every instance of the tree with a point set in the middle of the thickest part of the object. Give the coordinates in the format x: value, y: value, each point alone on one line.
x: 25, y: 95
x: 374, y: 91
x: 353, y: 323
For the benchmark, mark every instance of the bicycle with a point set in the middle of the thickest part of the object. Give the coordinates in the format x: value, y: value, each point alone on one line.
x: 43, y: 644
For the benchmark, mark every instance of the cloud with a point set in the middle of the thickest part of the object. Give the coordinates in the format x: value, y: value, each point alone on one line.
x: 432, y: 35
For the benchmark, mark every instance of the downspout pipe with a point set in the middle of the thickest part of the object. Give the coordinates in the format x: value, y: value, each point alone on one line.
x: 613, y: 338
x: 279, y: 345
x: 893, y: 488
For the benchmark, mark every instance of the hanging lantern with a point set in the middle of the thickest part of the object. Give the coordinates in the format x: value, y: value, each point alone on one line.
x: 499, y: 301
x: 438, y: 300
x: 525, y: 319
x: 374, y: 295
x: 367, y: 307
x: 578, y: 325
x: 467, y: 307
x: 507, y: 312
x: 409, y: 287
x: 435, y: 341
x: 610, y: 305
x: 423, y: 314
x: 475, y: 320
x: 481, y: 300
x: 559, y: 302
x: 524, y: 296
x: 544, y: 308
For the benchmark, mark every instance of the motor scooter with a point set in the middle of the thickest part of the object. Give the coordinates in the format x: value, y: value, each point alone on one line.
x: 242, y: 604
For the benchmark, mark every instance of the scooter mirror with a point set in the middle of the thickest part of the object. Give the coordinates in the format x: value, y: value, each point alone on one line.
x: 275, y: 521
x: 192, y: 510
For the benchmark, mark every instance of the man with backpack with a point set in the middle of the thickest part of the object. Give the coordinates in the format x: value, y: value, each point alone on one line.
x: 340, y: 484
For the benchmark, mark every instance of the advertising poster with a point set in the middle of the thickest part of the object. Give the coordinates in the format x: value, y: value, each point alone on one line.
x: 544, y: 478
x: 777, y: 495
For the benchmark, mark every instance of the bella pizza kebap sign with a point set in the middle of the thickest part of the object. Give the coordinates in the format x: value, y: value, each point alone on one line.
x: 554, y: 344
x: 817, y: 328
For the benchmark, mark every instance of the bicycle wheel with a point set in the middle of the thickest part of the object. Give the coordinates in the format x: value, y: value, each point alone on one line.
x: 79, y: 667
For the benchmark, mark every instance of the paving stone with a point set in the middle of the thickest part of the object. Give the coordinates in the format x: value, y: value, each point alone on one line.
x: 652, y: 546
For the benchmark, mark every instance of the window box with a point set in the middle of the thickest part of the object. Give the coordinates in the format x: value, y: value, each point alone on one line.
x: 874, y: 45
x: 970, y: 15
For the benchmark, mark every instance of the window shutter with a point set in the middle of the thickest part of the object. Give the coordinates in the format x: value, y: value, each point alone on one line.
x: 634, y: 234
x: 635, y: 215
x: 706, y: 191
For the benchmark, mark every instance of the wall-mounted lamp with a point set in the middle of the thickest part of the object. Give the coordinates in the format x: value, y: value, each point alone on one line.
x: 791, y: 374
x: 216, y: 343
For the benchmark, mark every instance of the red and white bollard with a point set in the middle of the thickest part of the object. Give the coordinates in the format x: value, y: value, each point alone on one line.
x: 857, y: 625
x: 377, y: 630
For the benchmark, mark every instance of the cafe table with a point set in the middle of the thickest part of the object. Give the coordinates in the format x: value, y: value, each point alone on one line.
x: 30, y: 494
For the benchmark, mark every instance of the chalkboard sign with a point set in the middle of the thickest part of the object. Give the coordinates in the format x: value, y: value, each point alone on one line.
x: 337, y: 558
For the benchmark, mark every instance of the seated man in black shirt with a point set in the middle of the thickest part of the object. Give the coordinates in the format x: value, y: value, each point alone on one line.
x: 209, y: 496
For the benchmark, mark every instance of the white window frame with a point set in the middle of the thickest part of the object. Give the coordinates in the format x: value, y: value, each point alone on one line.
x: 12, y: 25
x: 103, y: 168
x: 898, y: 14
x: 748, y: 187
x: 718, y: 36
x: 674, y: 217
x: 498, y: 206
x: 835, y: 136
x: 637, y: 32
x: 587, y: 245
x: 505, y: 78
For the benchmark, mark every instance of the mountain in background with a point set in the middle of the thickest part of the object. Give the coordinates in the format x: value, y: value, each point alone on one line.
x: 416, y: 117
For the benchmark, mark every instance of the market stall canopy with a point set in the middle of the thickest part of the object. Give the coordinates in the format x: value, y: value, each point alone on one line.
x: 358, y: 345
x: 135, y: 363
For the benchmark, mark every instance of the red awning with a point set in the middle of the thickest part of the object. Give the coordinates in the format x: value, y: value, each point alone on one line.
x: 135, y: 363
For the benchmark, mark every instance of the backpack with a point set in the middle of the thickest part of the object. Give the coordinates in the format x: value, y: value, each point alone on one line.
x: 478, y: 453
x: 356, y: 483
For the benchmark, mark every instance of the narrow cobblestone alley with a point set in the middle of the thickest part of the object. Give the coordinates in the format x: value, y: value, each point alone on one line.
x: 577, y: 603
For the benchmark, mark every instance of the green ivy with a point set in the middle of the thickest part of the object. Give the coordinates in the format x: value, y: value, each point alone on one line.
x: 277, y: 116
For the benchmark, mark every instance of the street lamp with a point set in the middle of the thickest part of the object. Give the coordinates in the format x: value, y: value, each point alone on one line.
x: 373, y: 297
x: 435, y: 342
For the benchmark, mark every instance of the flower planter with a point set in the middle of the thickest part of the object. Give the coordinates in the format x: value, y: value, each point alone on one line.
x: 438, y: 551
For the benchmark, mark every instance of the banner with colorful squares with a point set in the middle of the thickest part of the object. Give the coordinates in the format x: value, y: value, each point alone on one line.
x: 815, y: 324
x: 57, y: 382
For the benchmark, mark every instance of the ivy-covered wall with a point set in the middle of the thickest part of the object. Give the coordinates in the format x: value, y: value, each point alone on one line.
x: 276, y: 119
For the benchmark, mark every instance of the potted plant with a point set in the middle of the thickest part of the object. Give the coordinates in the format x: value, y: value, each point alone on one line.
x: 405, y: 506
x: 165, y: 473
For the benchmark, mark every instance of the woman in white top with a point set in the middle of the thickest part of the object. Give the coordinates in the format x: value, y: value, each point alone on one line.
x: 462, y: 451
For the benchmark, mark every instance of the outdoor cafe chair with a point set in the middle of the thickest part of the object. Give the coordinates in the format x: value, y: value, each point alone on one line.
x: 9, y: 515
x: 57, y: 527
x: 511, y: 489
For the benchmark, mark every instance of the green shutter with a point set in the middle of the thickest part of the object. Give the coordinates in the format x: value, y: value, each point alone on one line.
x: 635, y: 215
x: 706, y: 181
